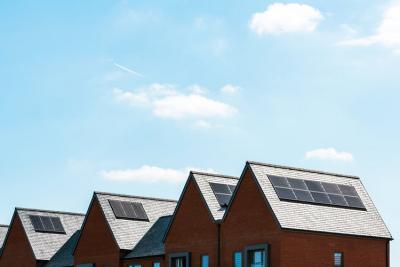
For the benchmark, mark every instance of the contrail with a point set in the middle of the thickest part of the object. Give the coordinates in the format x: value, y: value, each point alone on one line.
x: 128, y: 70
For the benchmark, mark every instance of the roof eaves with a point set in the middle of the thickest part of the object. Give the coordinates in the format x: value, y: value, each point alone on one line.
x: 214, y: 175
x: 134, y: 196
x: 50, y: 211
x: 302, y: 169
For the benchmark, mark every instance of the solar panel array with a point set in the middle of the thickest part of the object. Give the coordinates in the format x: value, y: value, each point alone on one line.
x: 316, y: 192
x: 223, y: 193
x: 128, y: 210
x: 47, y: 224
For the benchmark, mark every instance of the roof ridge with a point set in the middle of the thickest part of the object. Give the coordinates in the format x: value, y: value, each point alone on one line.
x: 215, y: 175
x: 302, y: 169
x: 135, y: 196
x: 51, y: 211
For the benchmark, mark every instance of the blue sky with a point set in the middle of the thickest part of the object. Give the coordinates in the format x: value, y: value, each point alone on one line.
x: 105, y: 95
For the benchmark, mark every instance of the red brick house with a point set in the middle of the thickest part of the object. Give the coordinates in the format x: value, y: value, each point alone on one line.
x: 113, y: 226
x: 283, y: 216
x: 34, y: 236
x: 193, y: 236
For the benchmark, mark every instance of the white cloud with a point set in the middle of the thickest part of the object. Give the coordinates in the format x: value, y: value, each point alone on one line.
x: 387, y: 34
x: 203, y: 124
x: 230, y: 89
x: 150, y: 174
x: 329, y: 154
x: 285, y: 18
x: 166, y: 101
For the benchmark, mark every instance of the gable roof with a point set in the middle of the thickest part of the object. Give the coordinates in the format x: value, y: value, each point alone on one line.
x: 306, y: 217
x: 152, y: 242
x: 45, y: 245
x: 3, y: 233
x: 64, y: 256
x: 127, y: 233
x: 203, y: 181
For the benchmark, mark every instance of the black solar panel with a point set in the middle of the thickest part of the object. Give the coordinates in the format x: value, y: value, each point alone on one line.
x: 128, y: 210
x: 223, y: 193
x: 316, y: 192
x: 47, y: 224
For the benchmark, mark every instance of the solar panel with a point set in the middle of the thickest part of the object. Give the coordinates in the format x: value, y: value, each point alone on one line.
x: 128, y: 210
x: 316, y: 192
x: 223, y: 193
x: 47, y: 224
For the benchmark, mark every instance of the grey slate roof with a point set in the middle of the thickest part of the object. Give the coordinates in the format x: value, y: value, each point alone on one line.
x: 203, y: 180
x: 127, y: 233
x: 64, y: 256
x: 45, y: 245
x: 152, y: 242
x: 300, y: 216
x: 3, y: 233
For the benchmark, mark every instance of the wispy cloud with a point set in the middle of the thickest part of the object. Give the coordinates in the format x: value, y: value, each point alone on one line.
x: 129, y: 70
x: 281, y: 18
x: 150, y: 174
x: 387, y: 33
x: 166, y: 101
x: 329, y: 154
x: 230, y: 89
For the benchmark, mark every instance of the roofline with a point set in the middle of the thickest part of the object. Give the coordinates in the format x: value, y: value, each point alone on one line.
x: 214, y: 175
x: 147, y: 256
x: 4, y: 225
x: 336, y: 233
x: 135, y: 196
x: 302, y: 169
x: 50, y: 211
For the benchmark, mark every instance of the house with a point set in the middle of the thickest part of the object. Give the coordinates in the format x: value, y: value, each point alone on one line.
x: 284, y: 216
x: 113, y: 226
x: 193, y: 236
x: 34, y: 236
x: 150, y: 250
x: 3, y: 232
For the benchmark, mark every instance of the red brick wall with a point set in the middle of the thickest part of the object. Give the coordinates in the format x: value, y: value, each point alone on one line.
x: 193, y: 229
x: 250, y: 221
x: 17, y: 250
x: 96, y: 243
x: 146, y: 262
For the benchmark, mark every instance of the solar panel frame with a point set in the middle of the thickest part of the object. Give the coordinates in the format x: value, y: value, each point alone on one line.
x: 322, y: 193
x: 128, y: 210
x: 223, y: 193
x: 47, y: 224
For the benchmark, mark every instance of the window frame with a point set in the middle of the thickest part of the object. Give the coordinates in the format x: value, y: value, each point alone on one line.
x: 341, y: 258
x: 264, y: 247
x: 201, y: 260
x: 185, y: 255
x: 234, y: 258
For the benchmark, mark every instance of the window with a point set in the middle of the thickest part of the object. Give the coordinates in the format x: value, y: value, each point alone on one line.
x: 237, y: 259
x: 179, y: 259
x: 257, y: 255
x: 134, y: 265
x: 338, y: 259
x: 204, y: 261
x: 156, y: 264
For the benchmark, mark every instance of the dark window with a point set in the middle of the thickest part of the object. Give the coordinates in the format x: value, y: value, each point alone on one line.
x: 237, y: 259
x: 179, y: 260
x: 338, y: 260
x: 205, y: 261
x: 257, y: 256
x: 156, y: 264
